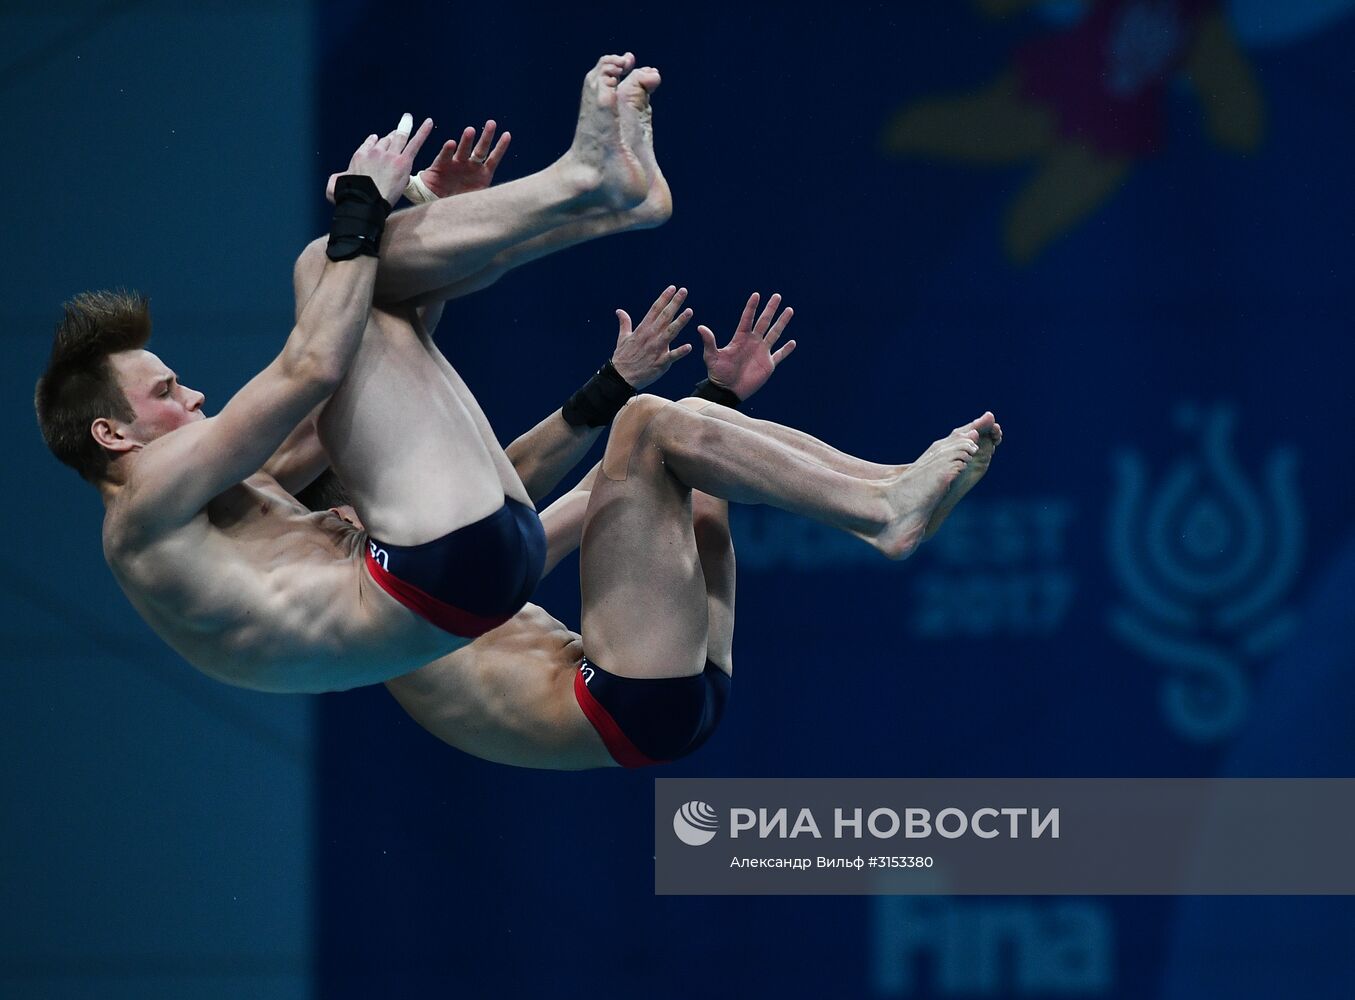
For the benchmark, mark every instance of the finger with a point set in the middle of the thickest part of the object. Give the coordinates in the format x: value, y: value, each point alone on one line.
x: 778, y: 327
x: 481, y: 151
x: 397, y: 137
x: 675, y: 327
x: 658, y: 305
x: 674, y: 304
x: 445, y: 152
x: 368, y: 144
x: 420, y: 137
x: 329, y: 187
x: 679, y: 352
x: 784, y: 353
x: 765, y: 320
x: 497, y: 153
x: 463, y: 147
x: 623, y: 318
x: 746, y: 320
x: 708, y: 343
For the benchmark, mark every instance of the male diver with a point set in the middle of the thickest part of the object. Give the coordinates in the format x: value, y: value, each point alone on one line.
x: 648, y: 680
x: 203, y: 532
x: 201, y: 529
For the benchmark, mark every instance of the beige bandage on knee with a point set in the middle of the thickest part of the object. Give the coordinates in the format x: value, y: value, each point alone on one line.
x: 625, y: 439
x: 695, y: 403
x: 621, y: 445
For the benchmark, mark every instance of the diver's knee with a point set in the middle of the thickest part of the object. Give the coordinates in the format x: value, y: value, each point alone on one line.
x: 628, y: 427
x: 639, y: 410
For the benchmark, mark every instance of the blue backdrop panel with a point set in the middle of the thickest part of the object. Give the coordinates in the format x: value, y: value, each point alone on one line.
x: 1141, y: 269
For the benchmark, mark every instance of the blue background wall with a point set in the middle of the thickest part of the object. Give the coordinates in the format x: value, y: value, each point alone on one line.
x: 1154, y: 579
x: 155, y: 826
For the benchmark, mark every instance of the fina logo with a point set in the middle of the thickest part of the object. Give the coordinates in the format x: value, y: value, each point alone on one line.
x: 695, y: 823
x: 1205, y: 562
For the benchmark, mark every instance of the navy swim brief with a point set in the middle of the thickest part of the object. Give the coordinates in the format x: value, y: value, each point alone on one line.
x: 644, y: 720
x: 469, y: 581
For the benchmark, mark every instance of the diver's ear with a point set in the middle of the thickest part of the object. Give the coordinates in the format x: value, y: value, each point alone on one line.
x: 109, y: 435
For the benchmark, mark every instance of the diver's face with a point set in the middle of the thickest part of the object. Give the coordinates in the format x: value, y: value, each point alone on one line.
x: 161, y: 403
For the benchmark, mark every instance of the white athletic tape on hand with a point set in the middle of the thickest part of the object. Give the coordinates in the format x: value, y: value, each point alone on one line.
x: 418, y: 192
x: 406, y: 123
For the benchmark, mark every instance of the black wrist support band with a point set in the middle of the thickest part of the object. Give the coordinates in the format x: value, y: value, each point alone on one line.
x: 359, y: 218
x: 706, y: 389
x: 600, y: 399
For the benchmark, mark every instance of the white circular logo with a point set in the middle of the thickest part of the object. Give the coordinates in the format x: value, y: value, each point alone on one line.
x: 695, y: 824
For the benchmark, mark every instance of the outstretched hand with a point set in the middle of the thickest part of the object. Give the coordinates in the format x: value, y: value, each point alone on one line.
x: 744, y: 364
x: 387, y: 160
x: 643, y: 354
x: 466, y: 164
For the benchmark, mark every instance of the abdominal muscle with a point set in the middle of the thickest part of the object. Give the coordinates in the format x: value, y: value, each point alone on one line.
x: 261, y: 593
x: 508, y: 697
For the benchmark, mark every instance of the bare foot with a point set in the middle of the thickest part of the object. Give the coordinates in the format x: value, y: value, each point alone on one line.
x: 616, y: 176
x: 916, y: 493
x: 990, y: 436
x: 637, y: 132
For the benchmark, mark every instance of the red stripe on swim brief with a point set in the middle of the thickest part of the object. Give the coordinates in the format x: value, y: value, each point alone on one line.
x: 445, y: 616
x: 623, y: 751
